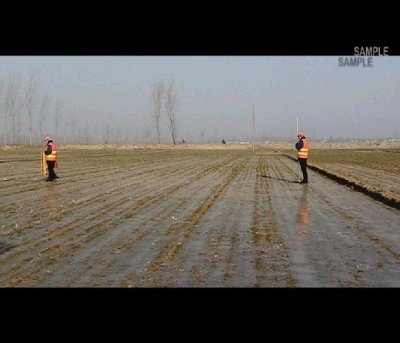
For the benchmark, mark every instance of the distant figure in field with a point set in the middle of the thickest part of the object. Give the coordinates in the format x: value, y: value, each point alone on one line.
x: 223, y: 141
x: 302, y: 155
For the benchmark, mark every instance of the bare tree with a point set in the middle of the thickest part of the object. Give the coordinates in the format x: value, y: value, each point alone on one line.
x: 106, y: 134
x: 202, y: 133
x: 171, y: 104
x: 6, y: 114
x: 13, y: 103
x: 18, y: 110
x: 117, y: 135
x: 73, y: 124
x: 30, y: 99
x: 86, y: 136
x: 157, y: 95
x: 44, y: 105
x: 146, y: 134
x: 57, y: 114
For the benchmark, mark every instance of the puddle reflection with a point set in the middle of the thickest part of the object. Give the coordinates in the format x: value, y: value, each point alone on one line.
x: 303, y: 215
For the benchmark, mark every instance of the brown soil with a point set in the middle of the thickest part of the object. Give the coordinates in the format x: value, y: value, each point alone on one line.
x: 218, y: 217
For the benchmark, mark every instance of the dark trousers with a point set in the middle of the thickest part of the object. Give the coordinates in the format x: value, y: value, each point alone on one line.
x: 50, y: 167
x: 303, y: 167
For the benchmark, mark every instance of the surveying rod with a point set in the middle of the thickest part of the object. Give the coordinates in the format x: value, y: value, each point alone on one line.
x: 297, y: 132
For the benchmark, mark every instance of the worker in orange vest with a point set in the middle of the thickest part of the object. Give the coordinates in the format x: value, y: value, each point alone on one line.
x: 302, y: 155
x: 51, y: 158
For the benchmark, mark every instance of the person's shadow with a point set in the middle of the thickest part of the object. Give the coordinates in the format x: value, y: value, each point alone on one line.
x: 279, y: 179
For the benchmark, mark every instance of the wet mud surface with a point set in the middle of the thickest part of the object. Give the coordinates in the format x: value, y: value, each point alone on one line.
x: 224, y: 218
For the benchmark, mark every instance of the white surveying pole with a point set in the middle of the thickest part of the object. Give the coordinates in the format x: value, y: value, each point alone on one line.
x: 254, y: 120
x: 297, y: 131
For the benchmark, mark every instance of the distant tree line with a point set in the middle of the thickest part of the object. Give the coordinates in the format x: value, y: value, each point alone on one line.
x: 29, y: 114
x: 24, y: 110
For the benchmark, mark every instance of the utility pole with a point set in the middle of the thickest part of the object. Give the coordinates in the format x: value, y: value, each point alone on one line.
x: 254, y: 120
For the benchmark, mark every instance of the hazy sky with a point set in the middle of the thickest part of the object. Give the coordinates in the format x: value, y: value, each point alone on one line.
x: 217, y: 94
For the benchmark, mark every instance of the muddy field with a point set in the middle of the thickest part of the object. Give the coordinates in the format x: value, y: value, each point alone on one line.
x: 223, y: 217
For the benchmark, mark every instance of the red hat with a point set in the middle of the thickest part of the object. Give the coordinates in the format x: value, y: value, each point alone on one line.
x: 300, y: 134
x: 47, y: 138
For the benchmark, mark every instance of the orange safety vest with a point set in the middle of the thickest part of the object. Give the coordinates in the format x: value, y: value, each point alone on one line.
x: 303, y: 152
x: 53, y: 155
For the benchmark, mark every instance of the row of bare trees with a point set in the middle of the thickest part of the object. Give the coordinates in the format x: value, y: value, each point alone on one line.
x: 26, y: 113
x: 19, y: 102
x: 165, y: 96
